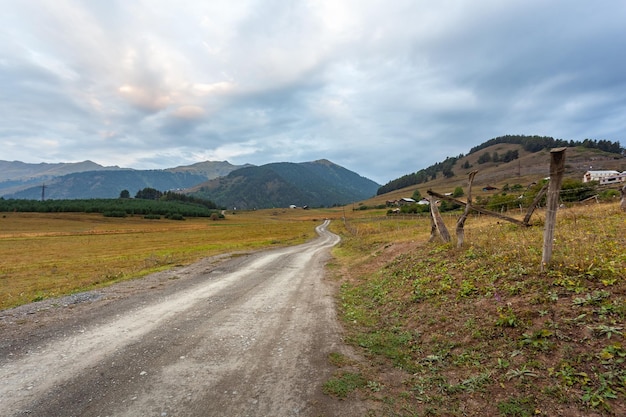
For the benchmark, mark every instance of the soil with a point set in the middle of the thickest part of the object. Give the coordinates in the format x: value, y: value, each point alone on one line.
x: 235, y: 335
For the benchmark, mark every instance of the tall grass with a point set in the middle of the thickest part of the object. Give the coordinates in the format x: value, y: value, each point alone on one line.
x: 48, y: 255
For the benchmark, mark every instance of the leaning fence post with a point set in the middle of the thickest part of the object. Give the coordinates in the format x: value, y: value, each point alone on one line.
x: 557, y: 164
x: 438, y: 220
x: 460, y: 231
x: 623, y: 201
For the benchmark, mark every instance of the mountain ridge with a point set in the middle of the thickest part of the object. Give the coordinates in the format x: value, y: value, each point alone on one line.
x: 24, y: 180
x: 282, y: 184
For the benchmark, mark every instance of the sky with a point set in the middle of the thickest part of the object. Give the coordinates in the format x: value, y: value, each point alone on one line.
x: 381, y: 87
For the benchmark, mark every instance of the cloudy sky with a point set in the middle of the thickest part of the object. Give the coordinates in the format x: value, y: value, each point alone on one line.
x: 383, y: 88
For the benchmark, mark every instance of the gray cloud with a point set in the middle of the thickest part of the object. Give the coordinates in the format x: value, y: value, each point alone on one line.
x: 382, y: 88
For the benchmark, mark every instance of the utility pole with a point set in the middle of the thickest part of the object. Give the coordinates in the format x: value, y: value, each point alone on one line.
x: 43, y: 191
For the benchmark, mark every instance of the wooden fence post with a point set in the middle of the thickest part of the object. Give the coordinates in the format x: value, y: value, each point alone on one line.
x: 557, y: 164
x: 533, y: 205
x: 623, y: 201
x: 460, y: 231
x: 438, y: 220
x: 433, y: 227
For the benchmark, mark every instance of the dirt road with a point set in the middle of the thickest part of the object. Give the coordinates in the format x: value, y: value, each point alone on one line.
x: 243, y: 336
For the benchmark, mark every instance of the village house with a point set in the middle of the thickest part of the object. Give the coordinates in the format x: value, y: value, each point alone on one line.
x: 401, y: 202
x: 605, y: 177
x: 406, y: 200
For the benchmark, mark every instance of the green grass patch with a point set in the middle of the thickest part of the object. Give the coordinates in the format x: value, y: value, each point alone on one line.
x: 517, y: 407
x: 343, y: 384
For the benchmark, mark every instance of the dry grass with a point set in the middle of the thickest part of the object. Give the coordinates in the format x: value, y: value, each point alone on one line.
x: 48, y: 255
x: 479, y: 330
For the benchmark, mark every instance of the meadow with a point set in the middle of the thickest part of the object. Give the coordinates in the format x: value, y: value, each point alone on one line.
x: 46, y: 255
x: 480, y: 330
x: 438, y: 330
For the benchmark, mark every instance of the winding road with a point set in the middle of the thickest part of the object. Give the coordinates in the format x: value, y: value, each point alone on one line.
x: 244, y: 336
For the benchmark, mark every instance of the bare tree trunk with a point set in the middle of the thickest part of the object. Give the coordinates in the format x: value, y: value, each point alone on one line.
x: 460, y: 224
x: 439, y: 224
x: 623, y: 201
x: 557, y: 164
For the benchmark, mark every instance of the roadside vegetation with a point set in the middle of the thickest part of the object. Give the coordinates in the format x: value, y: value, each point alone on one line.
x: 46, y: 255
x: 479, y: 330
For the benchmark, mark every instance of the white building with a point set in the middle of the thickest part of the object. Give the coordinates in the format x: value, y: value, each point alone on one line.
x: 605, y: 177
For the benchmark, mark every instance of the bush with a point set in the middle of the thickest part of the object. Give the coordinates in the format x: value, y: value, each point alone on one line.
x: 576, y: 190
x: 114, y: 213
x: 415, y: 208
x: 448, y: 206
x: 609, y: 194
x: 502, y: 201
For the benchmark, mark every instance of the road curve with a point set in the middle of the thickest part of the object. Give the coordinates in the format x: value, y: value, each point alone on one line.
x: 245, y: 337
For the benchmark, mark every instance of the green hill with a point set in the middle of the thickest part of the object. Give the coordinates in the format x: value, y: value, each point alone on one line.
x: 514, y: 156
x: 314, y: 184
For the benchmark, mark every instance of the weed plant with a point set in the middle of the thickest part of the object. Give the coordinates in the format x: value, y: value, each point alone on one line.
x: 480, y: 330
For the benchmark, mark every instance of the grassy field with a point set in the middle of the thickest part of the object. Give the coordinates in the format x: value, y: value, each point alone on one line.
x: 479, y: 330
x: 441, y: 331
x: 48, y: 255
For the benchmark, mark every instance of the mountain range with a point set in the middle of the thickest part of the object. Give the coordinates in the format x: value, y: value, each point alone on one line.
x: 316, y: 184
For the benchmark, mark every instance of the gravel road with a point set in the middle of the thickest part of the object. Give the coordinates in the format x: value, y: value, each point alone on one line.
x: 245, y: 335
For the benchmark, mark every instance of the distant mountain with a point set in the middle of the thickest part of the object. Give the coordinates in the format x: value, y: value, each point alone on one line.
x: 209, y: 169
x: 90, y: 180
x: 316, y: 184
x: 16, y: 170
x: 103, y: 184
x: 16, y: 176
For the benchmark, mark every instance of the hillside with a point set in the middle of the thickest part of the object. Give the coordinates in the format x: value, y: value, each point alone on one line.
x: 315, y: 184
x: 510, y: 148
x: 17, y: 176
x: 479, y: 330
x: 528, y: 168
x: 108, y: 184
